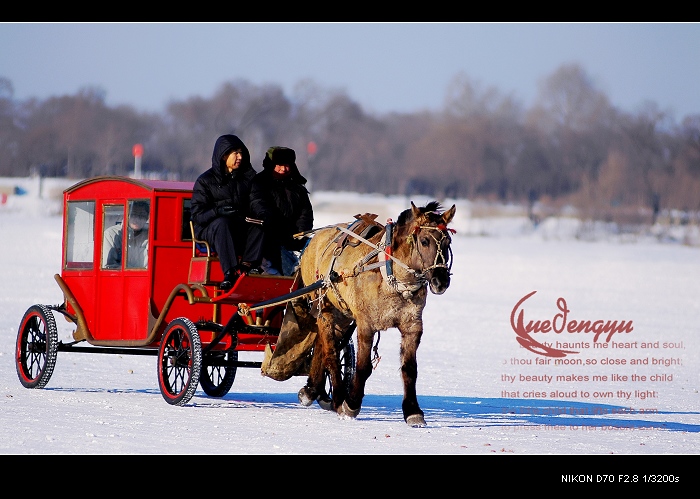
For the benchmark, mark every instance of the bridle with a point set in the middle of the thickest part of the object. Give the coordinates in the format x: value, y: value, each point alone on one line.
x: 406, y: 289
x: 444, y: 232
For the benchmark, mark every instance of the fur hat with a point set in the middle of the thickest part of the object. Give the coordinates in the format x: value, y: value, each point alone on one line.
x: 279, y: 155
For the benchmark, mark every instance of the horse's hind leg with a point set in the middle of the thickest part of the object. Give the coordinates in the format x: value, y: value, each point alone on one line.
x: 331, y: 357
x: 356, y: 393
x: 410, y: 339
x: 324, y: 360
x: 314, y: 383
x: 307, y: 322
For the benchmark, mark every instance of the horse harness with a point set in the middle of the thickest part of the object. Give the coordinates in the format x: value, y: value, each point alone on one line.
x: 365, y: 226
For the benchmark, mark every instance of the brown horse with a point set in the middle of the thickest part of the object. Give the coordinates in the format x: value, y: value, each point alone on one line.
x: 373, y: 284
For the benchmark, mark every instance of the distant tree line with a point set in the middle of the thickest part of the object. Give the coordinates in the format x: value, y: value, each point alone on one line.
x: 571, y: 148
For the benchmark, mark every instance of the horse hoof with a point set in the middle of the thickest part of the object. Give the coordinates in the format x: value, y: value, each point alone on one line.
x: 416, y: 421
x: 305, y: 398
x: 345, y: 412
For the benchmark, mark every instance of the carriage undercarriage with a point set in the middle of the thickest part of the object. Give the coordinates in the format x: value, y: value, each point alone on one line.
x: 184, y: 360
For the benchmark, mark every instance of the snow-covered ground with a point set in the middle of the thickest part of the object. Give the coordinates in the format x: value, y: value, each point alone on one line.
x: 482, y: 393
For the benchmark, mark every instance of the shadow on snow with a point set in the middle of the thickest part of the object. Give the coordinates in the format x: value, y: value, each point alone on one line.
x: 458, y: 412
x: 472, y: 411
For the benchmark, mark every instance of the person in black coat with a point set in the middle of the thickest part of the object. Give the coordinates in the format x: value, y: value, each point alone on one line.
x: 220, y: 203
x: 279, y: 198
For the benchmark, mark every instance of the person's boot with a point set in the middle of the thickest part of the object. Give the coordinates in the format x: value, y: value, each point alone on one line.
x: 230, y: 279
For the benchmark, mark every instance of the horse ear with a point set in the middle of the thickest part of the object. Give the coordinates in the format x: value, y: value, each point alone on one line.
x: 449, y: 214
x: 414, y: 210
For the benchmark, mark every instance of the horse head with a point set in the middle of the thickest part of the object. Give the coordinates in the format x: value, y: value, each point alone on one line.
x: 425, y: 229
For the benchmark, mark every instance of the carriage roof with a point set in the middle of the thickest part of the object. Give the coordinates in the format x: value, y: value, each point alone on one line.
x: 104, y: 185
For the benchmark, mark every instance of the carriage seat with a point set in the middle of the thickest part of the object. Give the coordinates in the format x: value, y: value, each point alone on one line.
x: 205, y: 268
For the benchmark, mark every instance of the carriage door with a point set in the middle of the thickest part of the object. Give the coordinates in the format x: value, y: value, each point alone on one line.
x: 122, y: 301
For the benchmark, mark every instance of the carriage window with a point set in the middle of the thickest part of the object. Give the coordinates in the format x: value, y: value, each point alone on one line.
x: 112, y: 221
x: 137, y: 234
x: 136, y: 225
x: 80, y: 234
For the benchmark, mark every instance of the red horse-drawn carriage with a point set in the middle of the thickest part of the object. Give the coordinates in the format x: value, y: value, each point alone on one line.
x: 152, y: 292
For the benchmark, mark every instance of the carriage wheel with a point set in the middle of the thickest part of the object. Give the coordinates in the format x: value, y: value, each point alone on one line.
x: 179, y: 361
x: 347, y: 371
x: 37, y: 345
x: 217, y: 380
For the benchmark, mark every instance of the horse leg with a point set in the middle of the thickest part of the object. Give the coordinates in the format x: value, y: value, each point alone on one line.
x: 331, y: 357
x: 315, y: 388
x: 314, y: 383
x: 363, y: 370
x: 324, y: 360
x: 410, y: 339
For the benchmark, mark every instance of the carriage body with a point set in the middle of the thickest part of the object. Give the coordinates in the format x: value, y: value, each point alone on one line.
x: 166, y: 304
x: 121, y: 306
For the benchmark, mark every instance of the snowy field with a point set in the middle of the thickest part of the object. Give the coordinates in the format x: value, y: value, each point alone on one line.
x: 482, y: 393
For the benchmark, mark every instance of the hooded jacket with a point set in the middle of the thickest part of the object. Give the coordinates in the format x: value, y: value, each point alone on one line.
x: 282, y: 203
x: 217, y: 187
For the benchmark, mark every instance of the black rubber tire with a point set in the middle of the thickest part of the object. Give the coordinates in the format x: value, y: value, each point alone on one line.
x: 36, y: 348
x: 179, y: 361
x: 216, y: 381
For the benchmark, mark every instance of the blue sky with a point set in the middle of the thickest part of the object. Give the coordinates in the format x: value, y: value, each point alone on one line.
x: 404, y: 67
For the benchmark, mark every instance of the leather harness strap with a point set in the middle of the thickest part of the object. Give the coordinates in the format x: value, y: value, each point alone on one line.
x: 361, y: 226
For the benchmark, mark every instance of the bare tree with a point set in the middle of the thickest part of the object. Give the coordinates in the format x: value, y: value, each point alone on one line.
x: 572, y: 146
x: 10, y: 132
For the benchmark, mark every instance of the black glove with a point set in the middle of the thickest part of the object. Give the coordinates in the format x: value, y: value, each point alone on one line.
x: 226, y: 211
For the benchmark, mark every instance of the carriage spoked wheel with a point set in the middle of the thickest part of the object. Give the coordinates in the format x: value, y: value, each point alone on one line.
x: 179, y: 361
x: 37, y: 346
x: 217, y: 373
x: 347, y: 371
